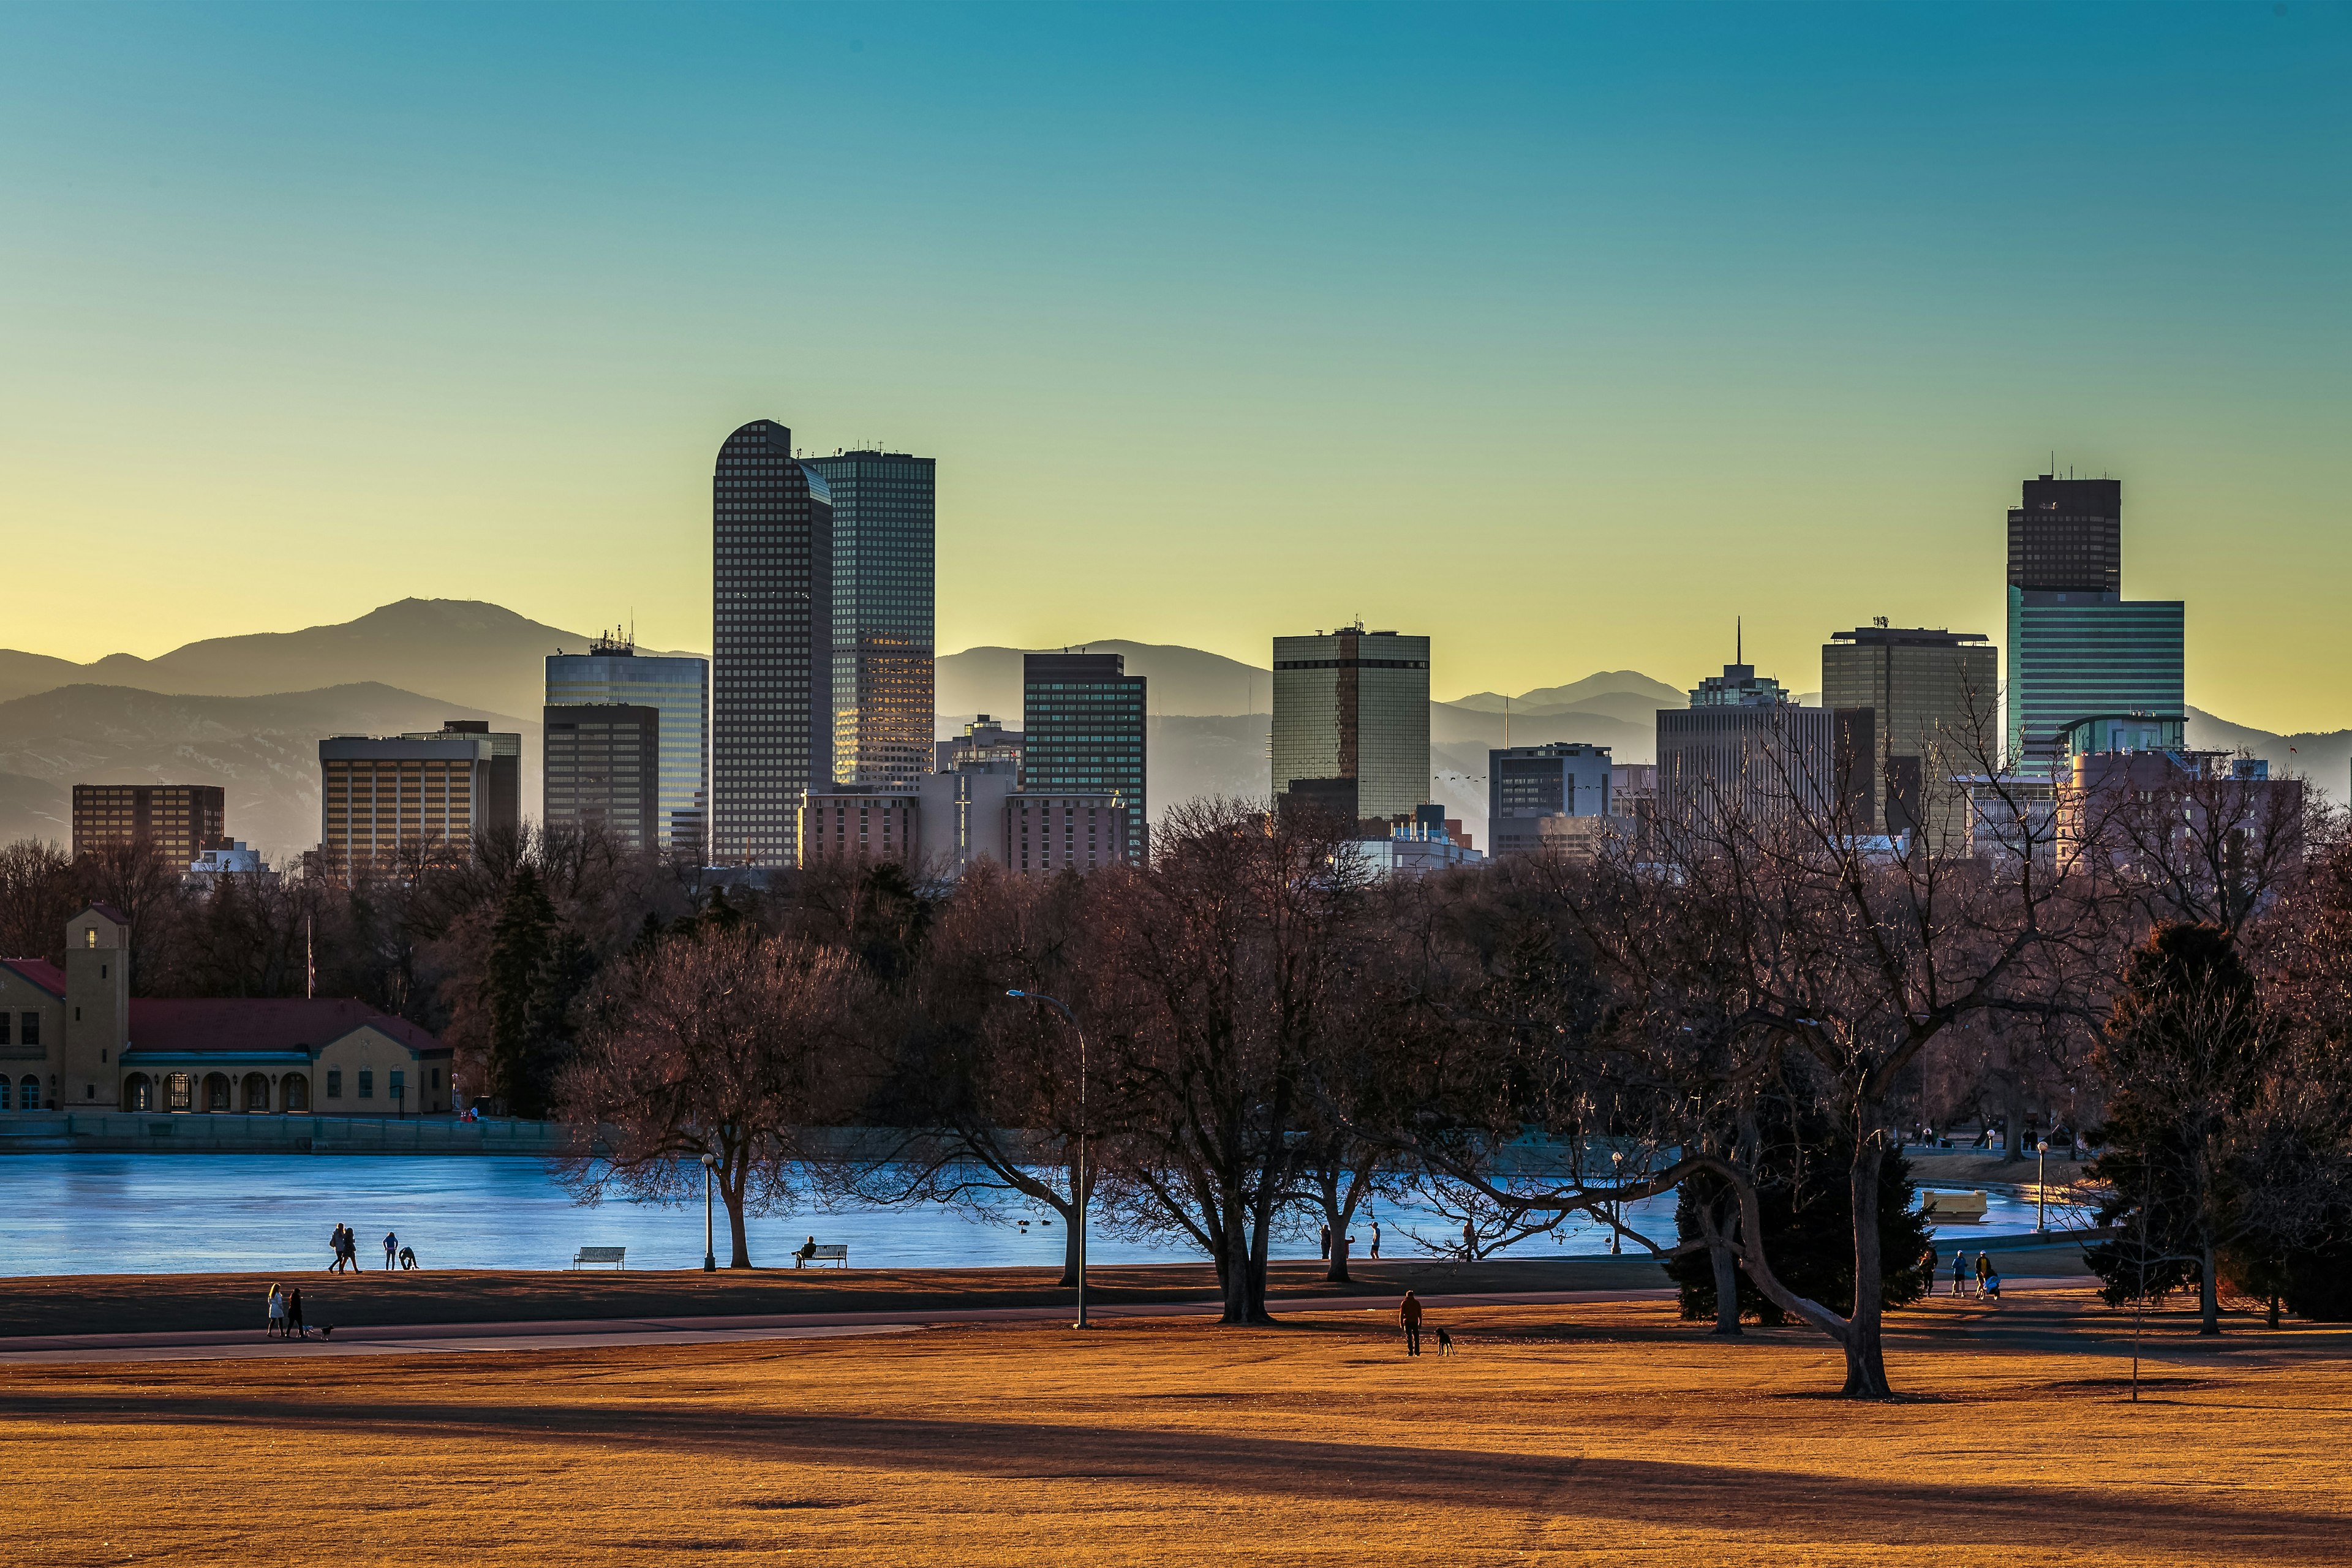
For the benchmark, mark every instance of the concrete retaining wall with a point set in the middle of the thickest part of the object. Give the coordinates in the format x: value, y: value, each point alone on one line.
x: 219, y: 1132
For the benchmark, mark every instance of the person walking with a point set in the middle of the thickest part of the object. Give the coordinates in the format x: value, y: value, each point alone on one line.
x: 276, y: 1314
x: 1984, y: 1270
x: 294, y: 1329
x: 390, y: 1250
x: 1409, y: 1316
x: 1960, y: 1271
x: 335, y: 1247
x: 1469, y: 1243
x: 1376, y: 1241
x: 1323, y: 1247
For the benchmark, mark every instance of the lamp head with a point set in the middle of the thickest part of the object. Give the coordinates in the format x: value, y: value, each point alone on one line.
x: 710, y: 1161
x: 1016, y: 993
x: 2043, y: 1147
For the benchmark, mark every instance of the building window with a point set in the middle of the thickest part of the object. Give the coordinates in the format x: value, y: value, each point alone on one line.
x: 334, y: 1083
x: 32, y: 1096
x: 3, y: 1094
x: 32, y: 1022
x: 179, y: 1092
x: 367, y: 1083
x: 294, y: 1092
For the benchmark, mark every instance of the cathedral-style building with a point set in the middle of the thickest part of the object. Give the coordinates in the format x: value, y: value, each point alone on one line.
x: 75, y: 1038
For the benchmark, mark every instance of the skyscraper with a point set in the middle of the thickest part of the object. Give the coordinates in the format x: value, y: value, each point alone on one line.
x: 603, y: 769
x: 884, y: 511
x: 1742, y: 755
x: 678, y: 689
x: 1933, y: 697
x: 772, y: 643
x: 1082, y: 732
x: 1353, y: 704
x: 2076, y: 646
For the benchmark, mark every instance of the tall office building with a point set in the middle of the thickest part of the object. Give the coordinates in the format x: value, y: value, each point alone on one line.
x: 676, y: 688
x: 1353, y: 704
x: 501, y: 798
x: 884, y: 511
x: 603, y: 769
x: 772, y: 643
x: 1082, y: 733
x: 2076, y: 646
x: 386, y: 801
x: 1743, y: 755
x: 180, y: 820
x: 1934, y: 700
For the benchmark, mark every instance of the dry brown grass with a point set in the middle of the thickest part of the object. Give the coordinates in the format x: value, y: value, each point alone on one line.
x: 1559, y: 1435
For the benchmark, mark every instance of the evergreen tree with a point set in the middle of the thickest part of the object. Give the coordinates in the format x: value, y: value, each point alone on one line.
x: 516, y: 992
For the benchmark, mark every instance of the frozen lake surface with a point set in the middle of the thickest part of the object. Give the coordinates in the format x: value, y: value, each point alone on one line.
x: 184, y: 1214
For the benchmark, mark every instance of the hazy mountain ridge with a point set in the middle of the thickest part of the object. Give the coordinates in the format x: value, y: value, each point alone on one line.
x: 262, y: 751
x: 460, y: 650
x: 251, y: 710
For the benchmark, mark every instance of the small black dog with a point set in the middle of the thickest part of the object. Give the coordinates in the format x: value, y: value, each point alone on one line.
x: 326, y: 1331
x: 1445, y: 1341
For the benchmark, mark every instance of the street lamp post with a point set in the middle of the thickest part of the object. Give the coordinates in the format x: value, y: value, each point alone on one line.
x: 1080, y: 1180
x: 2042, y: 1186
x: 1616, y: 1212
x: 710, y: 1255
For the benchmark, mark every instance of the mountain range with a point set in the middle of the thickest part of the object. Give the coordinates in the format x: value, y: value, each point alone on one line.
x: 247, y: 713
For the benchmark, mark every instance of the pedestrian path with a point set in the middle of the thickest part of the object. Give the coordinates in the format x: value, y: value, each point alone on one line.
x: 445, y: 1338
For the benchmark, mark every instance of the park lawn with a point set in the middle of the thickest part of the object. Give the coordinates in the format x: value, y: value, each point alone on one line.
x: 1559, y: 1434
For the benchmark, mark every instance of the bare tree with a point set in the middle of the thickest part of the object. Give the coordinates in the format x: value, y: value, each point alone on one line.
x: 729, y: 1045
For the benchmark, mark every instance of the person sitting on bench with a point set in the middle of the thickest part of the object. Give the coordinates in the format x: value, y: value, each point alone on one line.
x: 807, y: 1250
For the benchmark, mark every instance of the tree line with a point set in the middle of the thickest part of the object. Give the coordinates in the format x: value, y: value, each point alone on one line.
x: 1746, y: 1011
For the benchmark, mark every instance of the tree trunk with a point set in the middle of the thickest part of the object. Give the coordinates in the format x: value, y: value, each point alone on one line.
x: 1069, y: 1250
x: 1866, y: 1356
x: 2209, y: 1291
x: 2013, y: 1110
x: 1727, y: 1287
x: 731, y: 1184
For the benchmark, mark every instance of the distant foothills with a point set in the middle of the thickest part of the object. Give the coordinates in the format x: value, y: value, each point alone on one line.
x: 247, y: 713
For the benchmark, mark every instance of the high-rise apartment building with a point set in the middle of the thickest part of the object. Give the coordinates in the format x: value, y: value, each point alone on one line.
x: 1353, y: 704
x: 1934, y: 700
x: 390, y: 801
x: 772, y: 643
x: 601, y: 769
x: 678, y: 689
x: 2076, y: 646
x: 501, y: 800
x: 884, y: 513
x: 1082, y: 733
x: 181, y: 821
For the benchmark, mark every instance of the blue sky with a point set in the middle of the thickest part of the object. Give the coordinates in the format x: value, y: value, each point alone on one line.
x: 1563, y: 334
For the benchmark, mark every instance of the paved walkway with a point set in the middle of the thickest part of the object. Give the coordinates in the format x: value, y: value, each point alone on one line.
x: 443, y: 1339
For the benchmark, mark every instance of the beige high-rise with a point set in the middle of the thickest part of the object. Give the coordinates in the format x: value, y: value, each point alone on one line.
x: 1934, y: 698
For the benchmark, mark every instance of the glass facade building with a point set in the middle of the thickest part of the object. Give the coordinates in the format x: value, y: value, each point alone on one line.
x: 1082, y: 732
x: 771, y: 645
x: 678, y: 690
x: 1934, y: 699
x: 883, y: 576
x: 1353, y: 704
x: 2076, y: 646
x: 2074, y: 655
x: 603, y: 770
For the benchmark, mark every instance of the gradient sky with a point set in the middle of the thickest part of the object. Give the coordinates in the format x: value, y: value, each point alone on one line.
x: 1563, y: 334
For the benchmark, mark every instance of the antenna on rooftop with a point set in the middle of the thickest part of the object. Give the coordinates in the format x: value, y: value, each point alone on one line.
x: 1738, y: 639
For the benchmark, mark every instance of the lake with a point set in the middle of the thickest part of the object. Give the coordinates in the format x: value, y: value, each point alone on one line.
x: 186, y: 1214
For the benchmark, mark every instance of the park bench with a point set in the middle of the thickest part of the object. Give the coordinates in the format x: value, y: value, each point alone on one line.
x: 611, y: 1254
x: 834, y: 1252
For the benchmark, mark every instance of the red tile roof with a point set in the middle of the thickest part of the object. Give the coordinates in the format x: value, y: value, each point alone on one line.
x: 40, y: 972
x: 262, y: 1024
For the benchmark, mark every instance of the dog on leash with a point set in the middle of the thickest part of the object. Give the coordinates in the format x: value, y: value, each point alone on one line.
x: 1445, y: 1341
x: 326, y: 1331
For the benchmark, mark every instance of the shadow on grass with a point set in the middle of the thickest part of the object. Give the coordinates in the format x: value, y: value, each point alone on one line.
x: 1206, y: 1464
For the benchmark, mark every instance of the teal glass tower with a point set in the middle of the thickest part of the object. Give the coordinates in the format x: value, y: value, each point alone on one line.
x: 2076, y: 646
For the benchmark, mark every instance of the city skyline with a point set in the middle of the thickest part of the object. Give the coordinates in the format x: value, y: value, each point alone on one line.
x: 1492, y: 315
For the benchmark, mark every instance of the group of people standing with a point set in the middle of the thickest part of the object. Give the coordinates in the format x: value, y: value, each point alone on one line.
x: 286, y: 1314
x: 346, y: 1249
x: 1987, y: 1278
x: 1324, y: 1241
